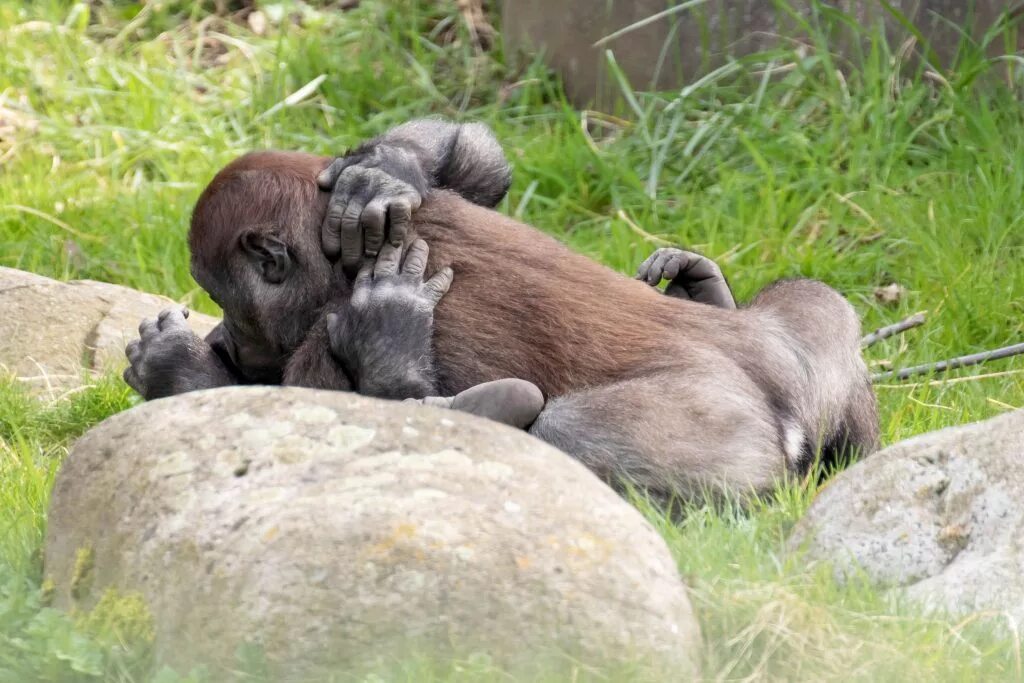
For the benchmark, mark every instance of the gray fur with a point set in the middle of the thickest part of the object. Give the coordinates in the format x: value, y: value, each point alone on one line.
x: 742, y: 421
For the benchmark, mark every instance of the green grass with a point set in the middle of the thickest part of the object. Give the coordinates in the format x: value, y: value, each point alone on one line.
x: 861, y: 171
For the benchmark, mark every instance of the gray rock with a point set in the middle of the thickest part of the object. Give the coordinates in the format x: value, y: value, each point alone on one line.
x: 680, y: 47
x: 939, y: 516
x: 59, y: 333
x: 334, y: 529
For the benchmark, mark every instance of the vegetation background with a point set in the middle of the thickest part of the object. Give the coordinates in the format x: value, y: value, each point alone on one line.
x: 895, y: 182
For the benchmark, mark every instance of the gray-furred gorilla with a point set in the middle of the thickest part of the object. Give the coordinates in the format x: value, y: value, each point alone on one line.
x: 662, y: 391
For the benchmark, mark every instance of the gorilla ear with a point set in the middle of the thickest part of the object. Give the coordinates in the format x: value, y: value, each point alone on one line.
x: 269, y: 253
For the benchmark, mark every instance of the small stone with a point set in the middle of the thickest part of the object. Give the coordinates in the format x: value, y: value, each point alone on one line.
x: 257, y: 21
x: 939, y: 517
x: 891, y: 294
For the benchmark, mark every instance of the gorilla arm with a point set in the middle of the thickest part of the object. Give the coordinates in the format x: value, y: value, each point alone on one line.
x: 430, y: 153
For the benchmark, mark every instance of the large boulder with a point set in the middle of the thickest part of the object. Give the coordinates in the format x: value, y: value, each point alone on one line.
x: 940, y: 517
x: 336, y: 530
x: 57, y: 334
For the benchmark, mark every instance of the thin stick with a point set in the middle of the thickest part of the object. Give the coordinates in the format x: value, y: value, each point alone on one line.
x: 952, y: 363
x: 947, y: 382
x: 889, y: 330
x: 1001, y: 404
x: 653, y: 239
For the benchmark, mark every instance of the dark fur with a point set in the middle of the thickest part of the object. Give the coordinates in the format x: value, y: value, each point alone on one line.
x: 464, y: 158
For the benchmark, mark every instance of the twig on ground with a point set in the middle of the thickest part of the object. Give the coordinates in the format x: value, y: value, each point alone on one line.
x: 1002, y: 404
x: 889, y: 330
x: 952, y: 363
x: 944, y: 382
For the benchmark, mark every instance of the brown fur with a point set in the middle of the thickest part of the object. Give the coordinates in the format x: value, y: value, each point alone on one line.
x: 523, y: 305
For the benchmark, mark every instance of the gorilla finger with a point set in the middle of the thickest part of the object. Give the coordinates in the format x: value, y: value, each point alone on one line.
x: 132, y: 379
x: 654, y: 275
x: 437, y: 286
x: 171, y: 317
x: 329, y: 176
x: 330, y: 230
x: 365, y: 276
x: 148, y: 328
x: 373, y: 220
x: 643, y: 268
x: 416, y: 260
x: 133, y: 351
x: 702, y: 268
x: 680, y: 261
x: 399, y: 220
x: 351, y: 236
x: 387, y: 261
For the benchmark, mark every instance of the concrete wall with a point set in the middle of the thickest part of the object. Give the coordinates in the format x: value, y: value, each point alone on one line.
x: 692, y: 41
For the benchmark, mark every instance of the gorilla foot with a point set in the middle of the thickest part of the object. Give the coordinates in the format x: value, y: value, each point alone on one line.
x: 514, y: 402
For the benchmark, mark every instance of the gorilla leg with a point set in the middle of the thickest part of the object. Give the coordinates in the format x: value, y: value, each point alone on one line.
x: 673, y: 432
x: 838, y: 391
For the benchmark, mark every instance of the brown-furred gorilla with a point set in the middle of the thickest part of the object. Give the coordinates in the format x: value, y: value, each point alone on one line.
x: 669, y: 394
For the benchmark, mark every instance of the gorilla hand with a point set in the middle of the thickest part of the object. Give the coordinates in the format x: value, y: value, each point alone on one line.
x: 373, y: 196
x: 382, y: 337
x: 171, y: 359
x: 376, y: 187
x: 691, y: 276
